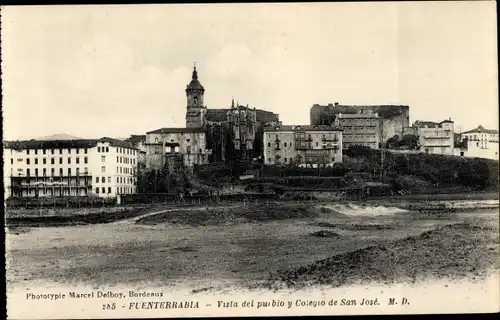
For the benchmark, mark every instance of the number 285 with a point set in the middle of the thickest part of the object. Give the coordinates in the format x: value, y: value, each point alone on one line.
x: 109, y: 306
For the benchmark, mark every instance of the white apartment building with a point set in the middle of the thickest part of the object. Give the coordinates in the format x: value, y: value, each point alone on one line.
x: 436, y: 137
x: 56, y: 168
x: 360, y: 128
x: 302, y: 145
x: 481, y: 143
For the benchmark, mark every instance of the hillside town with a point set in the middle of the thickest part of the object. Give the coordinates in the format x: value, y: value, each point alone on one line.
x: 314, y: 156
x: 215, y: 138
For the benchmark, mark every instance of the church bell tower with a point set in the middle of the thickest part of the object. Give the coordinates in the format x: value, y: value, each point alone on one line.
x: 195, y: 113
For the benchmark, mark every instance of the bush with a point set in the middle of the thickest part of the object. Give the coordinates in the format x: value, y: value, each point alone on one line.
x: 359, y: 151
x: 445, y: 171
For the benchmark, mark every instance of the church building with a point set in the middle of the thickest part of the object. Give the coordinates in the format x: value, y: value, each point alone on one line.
x: 210, y: 135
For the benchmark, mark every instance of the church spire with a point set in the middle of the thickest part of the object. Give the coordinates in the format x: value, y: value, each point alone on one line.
x: 232, y: 104
x: 195, y: 73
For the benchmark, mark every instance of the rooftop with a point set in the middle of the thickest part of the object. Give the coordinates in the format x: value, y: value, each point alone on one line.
x: 430, y: 124
x: 481, y: 129
x: 195, y: 83
x: 135, y: 138
x: 64, y: 144
x: 336, y: 104
x: 176, y: 130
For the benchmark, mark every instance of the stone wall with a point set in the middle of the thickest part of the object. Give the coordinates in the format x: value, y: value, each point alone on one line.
x: 393, y: 118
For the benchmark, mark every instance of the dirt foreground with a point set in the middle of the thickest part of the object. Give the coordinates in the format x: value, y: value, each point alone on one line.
x: 258, y: 248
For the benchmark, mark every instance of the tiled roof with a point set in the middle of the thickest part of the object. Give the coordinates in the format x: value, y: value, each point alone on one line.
x: 50, y: 144
x: 300, y: 128
x: 64, y: 144
x: 423, y: 124
x: 430, y: 124
x: 266, y: 116
x: 177, y: 130
x: 217, y: 115
x: 116, y: 142
x: 481, y: 129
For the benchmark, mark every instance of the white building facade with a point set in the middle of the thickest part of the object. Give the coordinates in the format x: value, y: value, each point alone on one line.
x: 481, y: 143
x: 302, y: 145
x: 59, y: 168
x: 360, y: 128
x: 436, y: 137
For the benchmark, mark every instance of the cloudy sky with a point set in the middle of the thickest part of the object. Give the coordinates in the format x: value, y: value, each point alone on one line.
x: 93, y: 71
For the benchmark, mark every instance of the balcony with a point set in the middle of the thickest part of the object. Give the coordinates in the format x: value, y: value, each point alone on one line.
x: 301, y: 145
x: 330, y: 146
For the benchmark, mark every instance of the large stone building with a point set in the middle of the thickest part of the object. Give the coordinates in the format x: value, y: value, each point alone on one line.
x: 480, y: 143
x: 360, y: 128
x: 210, y: 135
x: 53, y: 168
x: 189, y: 143
x: 435, y: 137
x: 393, y: 119
x: 302, y: 145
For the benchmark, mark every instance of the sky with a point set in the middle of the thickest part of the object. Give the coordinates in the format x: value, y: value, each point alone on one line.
x: 94, y: 71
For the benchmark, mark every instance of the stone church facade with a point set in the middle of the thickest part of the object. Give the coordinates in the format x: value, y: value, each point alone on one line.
x: 210, y: 135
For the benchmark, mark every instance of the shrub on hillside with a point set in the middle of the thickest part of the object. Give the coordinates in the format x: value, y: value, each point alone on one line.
x: 437, y: 169
x: 359, y: 151
x: 338, y: 170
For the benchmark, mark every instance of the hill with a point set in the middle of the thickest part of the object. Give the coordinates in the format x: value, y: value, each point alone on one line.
x: 59, y: 136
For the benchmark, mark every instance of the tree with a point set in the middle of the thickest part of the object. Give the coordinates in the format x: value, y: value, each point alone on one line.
x: 393, y: 142
x: 409, y: 141
x: 359, y: 151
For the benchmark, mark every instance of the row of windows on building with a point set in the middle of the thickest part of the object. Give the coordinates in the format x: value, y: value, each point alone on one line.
x: 84, y: 150
x: 360, y: 128
x: 358, y: 121
x: 125, y: 160
x: 359, y: 135
x: 119, y: 190
x: 484, y: 137
x: 125, y: 170
x: 120, y: 180
x: 289, y: 144
x: 302, y: 135
x: 53, y: 172
x: 122, y: 170
x: 52, y: 151
x: 172, y: 140
x: 176, y: 149
x: 52, y: 160
x: 438, y: 133
x: 118, y: 149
